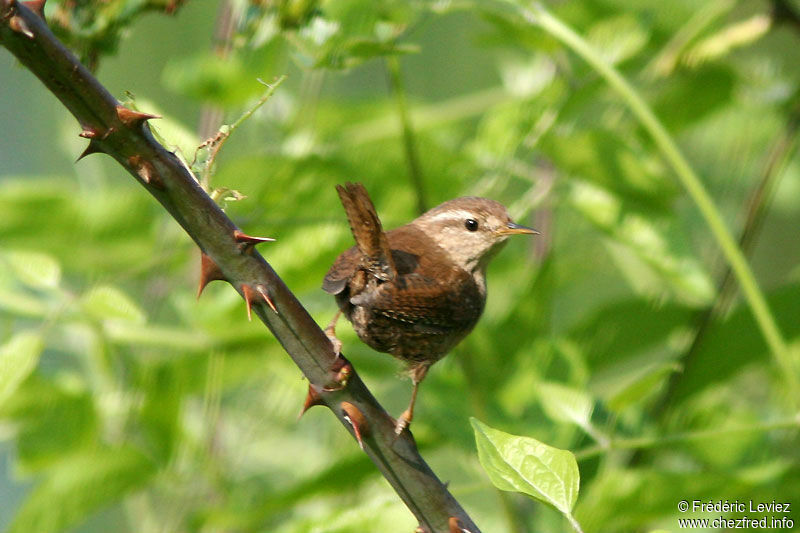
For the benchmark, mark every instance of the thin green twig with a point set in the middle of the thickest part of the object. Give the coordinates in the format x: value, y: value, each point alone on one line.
x: 756, y: 212
x: 409, y: 139
x: 538, y: 15
x: 216, y: 143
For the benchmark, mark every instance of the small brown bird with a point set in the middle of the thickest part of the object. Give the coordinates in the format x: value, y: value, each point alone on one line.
x: 417, y: 290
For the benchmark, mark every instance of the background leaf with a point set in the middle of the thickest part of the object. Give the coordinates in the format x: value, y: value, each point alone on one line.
x: 18, y: 358
x: 80, y: 486
x: 565, y: 404
x: 524, y: 464
x: 110, y: 303
x: 34, y: 269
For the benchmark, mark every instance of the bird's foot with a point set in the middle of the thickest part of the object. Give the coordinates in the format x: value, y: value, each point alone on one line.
x: 403, y: 422
x: 330, y: 332
x: 335, y: 342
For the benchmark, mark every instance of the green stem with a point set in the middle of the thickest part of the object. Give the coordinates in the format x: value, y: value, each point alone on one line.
x: 574, y: 523
x: 539, y: 16
x: 758, y: 204
x: 428, y: 116
x: 409, y: 140
x: 218, y: 141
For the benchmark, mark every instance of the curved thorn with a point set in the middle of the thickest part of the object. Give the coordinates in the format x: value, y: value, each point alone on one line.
x: 264, y: 292
x: 312, y: 398
x: 357, y: 420
x: 132, y: 118
x: 209, y: 271
x: 249, y: 294
x: 144, y: 169
x: 248, y: 240
x: 456, y: 526
x: 93, y: 148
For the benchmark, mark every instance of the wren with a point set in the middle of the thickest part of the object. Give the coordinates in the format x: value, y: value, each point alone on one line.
x: 418, y: 290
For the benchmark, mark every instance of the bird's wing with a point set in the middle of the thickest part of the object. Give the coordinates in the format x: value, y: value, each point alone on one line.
x: 423, y: 302
x: 342, y: 270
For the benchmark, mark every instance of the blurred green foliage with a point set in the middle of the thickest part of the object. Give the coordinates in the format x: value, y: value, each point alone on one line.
x: 127, y: 405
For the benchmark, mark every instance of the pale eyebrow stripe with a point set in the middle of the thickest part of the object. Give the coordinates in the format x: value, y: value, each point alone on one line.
x: 460, y: 214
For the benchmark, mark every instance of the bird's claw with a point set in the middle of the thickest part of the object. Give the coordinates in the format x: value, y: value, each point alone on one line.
x: 336, y: 344
x: 402, y: 423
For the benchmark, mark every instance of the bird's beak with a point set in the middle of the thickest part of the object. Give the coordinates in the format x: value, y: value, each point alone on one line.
x: 517, y: 229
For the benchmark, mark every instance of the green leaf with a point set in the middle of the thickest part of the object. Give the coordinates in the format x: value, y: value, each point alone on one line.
x: 20, y: 302
x: 565, y: 404
x: 734, y: 343
x: 171, y: 338
x: 614, y: 163
x: 686, y: 98
x: 736, y: 35
x: 18, y: 358
x: 618, y: 38
x: 632, y: 387
x: 643, y: 248
x: 523, y: 464
x: 53, y: 418
x: 80, y: 486
x: 210, y: 78
x: 106, y: 302
x: 34, y: 269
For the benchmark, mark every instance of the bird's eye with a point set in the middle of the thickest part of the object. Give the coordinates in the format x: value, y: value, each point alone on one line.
x: 471, y: 224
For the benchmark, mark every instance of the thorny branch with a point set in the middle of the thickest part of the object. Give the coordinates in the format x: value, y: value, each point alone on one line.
x: 229, y: 254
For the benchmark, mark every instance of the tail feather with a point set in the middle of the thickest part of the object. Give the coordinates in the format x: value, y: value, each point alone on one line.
x: 367, y: 230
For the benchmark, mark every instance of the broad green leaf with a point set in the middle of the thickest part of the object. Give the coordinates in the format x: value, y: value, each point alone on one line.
x: 34, y: 269
x: 172, y: 338
x: 374, y: 511
x: 565, y: 404
x: 208, y: 77
x: 523, y: 464
x: 525, y: 79
x: 641, y: 247
x: 81, y: 485
x: 613, y: 163
x: 734, y: 343
x: 632, y: 387
x: 21, y: 302
x: 18, y: 358
x: 618, y: 38
x: 736, y: 35
x: 618, y: 333
x: 53, y: 418
x: 686, y: 98
x: 106, y: 302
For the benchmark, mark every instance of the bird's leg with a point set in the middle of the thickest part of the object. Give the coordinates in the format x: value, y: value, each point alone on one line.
x: 330, y: 331
x: 341, y: 369
x: 417, y: 375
